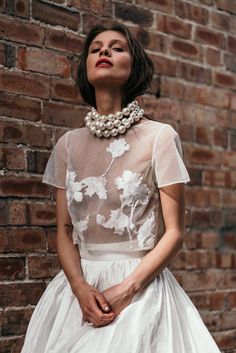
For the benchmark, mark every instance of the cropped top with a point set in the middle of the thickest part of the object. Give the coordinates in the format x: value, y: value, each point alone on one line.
x: 112, y: 184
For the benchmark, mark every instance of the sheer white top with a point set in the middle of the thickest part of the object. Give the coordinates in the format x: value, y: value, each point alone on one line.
x: 112, y: 184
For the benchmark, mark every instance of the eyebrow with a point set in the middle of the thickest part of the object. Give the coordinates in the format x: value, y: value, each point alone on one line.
x: 112, y: 41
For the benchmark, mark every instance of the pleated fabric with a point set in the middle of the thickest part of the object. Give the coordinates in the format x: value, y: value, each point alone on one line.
x: 160, y: 319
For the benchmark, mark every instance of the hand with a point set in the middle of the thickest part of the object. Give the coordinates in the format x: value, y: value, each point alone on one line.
x: 93, y: 305
x: 118, y: 297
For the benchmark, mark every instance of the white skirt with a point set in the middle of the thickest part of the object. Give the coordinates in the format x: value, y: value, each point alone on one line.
x: 160, y: 319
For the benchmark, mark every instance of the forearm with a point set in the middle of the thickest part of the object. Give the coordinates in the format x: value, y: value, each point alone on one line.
x: 69, y: 258
x: 154, y: 262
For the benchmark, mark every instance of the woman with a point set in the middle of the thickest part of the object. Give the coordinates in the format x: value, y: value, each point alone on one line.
x: 120, y: 219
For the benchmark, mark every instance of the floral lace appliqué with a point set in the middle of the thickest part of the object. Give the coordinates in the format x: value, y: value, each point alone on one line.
x: 118, y: 220
x: 145, y: 235
x: 79, y: 229
x: 118, y: 147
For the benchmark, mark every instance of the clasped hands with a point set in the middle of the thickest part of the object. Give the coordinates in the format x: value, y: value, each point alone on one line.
x: 101, y: 308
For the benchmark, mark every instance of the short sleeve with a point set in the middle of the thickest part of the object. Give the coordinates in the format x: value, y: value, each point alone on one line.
x: 167, y: 161
x: 55, y: 171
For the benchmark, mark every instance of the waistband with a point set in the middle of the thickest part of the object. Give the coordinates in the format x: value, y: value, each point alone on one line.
x: 102, y: 255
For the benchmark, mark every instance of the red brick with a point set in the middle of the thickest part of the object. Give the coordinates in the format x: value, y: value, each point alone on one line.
x: 11, y: 344
x: 32, y: 85
x: 230, y: 63
x: 17, y: 213
x: 25, y: 133
x: 225, y: 340
x: 210, y: 240
x: 131, y: 13
x: 51, y: 240
x: 3, y: 212
x: 11, y: 320
x: 220, y: 20
x: 55, y: 15
x: 211, y: 319
x: 201, y: 219
x: 231, y: 44
x: 226, y: 5
x: 19, y: 107
x: 12, y: 158
x: 229, y: 198
x: 22, y: 8
x: 224, y: 260
x: 43, y: 61
x: 21, y: 294
x: 20, y: 31
x: 213, y: 97
x: 43, y: 266
x: 216, y: 300
x: 204, y: 280
x: 12, y: 268
x: 65, y: 90
x: 185, y: 49
x: 201, y: 301
x: 63, y: 115
x: 233, y: 140
x: 100, y: 7
x: 3, y: 54
x: 193, y: 73
x: 161, y: 5
x: 229, y: 159
x: 208, y: 36
x: 203, y: 155
x: 231, y: 299
x: 212, y: 56
x: 36, y: 161
x: 221, y: 79
x: 22, y: 240
x: 191, y: 12
x: 172, y: 25
x: 58, y: 39
x: 164, y: 65
x: 203, y: 135
x: 220, y: 138
x: 227, y: 319
x: 42, y: 213
x: 20, y: 185
x: 153, y: 41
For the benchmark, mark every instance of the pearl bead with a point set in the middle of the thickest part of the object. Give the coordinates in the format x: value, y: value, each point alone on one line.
x: 103, y: 118
x: 102, y: 126
x: 124, y: 120
x: 114, y: 132
x: 111, y: 117
x: 117, y: 123
x: 109, y: 125
x: 121, y: 129
x: 126, y: 111
x: 119, y: 115
x: 106, y: 133
x: 97, y: 124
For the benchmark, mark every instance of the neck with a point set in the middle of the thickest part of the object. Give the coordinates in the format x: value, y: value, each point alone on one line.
x: 108, y: 101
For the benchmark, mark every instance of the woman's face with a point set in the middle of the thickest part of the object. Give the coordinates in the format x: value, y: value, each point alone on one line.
x: 109, y: 60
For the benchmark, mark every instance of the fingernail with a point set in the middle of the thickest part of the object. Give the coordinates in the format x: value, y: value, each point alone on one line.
x: 106, y: 308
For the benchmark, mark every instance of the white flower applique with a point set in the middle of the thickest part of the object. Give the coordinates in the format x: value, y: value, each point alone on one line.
x: 145, y: 235
x: 118, y: 220
x: 79, y: 229
x: 73, y: 188
x: 93, y: 185
x: 134, y: 193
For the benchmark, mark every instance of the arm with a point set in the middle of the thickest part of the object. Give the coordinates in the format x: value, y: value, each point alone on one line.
x: 173, y: 208
x: 90, y: 299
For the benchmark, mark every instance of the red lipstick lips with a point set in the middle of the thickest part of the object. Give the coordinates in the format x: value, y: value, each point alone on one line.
x: 103, y: 61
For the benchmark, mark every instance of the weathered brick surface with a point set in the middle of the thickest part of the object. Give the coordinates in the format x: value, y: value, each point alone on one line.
x: 193, y: 47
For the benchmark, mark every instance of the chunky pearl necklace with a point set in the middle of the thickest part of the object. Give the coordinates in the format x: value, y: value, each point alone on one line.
x: 113, y: 124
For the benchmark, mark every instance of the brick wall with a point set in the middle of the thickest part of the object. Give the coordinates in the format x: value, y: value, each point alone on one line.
x: 193, y: 46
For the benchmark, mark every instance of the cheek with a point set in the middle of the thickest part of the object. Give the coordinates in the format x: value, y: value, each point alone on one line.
x: 125, y: 63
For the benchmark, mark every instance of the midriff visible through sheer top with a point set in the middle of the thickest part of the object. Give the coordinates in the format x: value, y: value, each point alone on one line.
x: 112, y: 184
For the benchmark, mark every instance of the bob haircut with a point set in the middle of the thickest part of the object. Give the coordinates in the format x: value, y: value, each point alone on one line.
x: 141, y: 72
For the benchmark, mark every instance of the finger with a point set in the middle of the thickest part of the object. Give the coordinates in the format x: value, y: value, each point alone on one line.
x: 97, y: 315
x: 104, y: 305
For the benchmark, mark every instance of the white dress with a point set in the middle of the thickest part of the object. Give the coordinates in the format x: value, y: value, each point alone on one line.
x: 112, y: 189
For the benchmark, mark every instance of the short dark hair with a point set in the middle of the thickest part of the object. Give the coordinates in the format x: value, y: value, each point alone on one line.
x: 142, y: 69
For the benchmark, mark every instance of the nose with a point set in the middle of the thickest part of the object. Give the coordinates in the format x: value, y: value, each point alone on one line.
x: 104, y: 52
